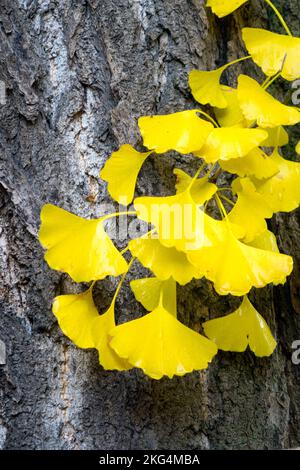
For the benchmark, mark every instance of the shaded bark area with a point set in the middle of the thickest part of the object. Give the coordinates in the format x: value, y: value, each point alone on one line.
x: 77, y: 75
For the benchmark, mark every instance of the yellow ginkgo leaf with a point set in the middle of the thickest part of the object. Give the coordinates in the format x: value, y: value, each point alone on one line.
x: 277, y: 137
x: 121, y: 171
x: 267, y: 241
x: 183, y: 131
x: 250, y: 210
x: 235, y: 268
x: 274, y: 52
x: 206, y: 87
x: 180, y: 223
x: 298, y: 148
x: 80, y: 321
x: 75, y: 314
x: 164, y: 262
x: 242, y: 328
x: 231, y: 115
x: 257, y: 163
x: 148, y: 292
x: 160, y: 345
x: 101, y: 336
x: 226, y: 143
x: 259, y: 106
x: 201, y: 190
x: 223, y: 8
x: 78, y: 246
x: 281, y: 191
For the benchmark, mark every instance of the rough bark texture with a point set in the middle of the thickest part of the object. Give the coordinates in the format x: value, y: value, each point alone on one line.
x: 78, y: 74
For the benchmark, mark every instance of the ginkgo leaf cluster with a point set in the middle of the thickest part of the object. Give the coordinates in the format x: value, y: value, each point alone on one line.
x: 204, y: 230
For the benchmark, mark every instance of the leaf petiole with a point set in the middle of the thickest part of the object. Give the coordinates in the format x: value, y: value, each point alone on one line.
x: 280, y: 17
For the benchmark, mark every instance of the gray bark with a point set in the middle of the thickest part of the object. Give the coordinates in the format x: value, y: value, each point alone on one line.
x: 78, y: 74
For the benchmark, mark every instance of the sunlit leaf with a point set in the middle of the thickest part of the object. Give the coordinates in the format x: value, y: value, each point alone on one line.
x: 75, y: 314
x: 180, y: 222
x: 121, y: 171
x: 201, y: 190
x: 281, y: 191
x: 183, y: 131
x: 206, y: 87
x: 164, y: 262
x: 230, y: 142
x: 231, y: 115
x: 257, y: 163
x: 235, y: 267
x: 160, y: 345
x: 274, y: 52
x: 242, y: 328
x: 78, y: 246
x: 265, y: 241
x: 250, y: 210
x: 148, y: 292
x: 224, y: 7
x: 259, y: 106
x: 277, y: 137
x: 101, y: 336
x: 80, y: 321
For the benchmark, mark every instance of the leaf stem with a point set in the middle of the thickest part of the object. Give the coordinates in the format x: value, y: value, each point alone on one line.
x: 118, y: 214
x: 280, y: 17
x: 196, y: 175
x: 208, y: 117
x: 236, y: 61
x: 143, y: 236
x: 122, y: 280
x: 225, y: 189
x: 216, y: 175
x: 227, y: 199
x: 265, y: 82
x: 205, y: 206
x: 221, y: 207
x: 269, y: 82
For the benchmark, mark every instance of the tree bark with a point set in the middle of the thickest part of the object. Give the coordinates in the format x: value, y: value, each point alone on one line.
x: 77, y: 76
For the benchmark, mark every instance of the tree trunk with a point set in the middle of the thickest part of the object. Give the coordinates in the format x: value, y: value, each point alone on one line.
x: 77, y: 76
